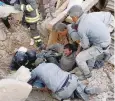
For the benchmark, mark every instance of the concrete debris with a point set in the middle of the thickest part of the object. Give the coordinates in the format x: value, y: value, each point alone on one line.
x: 112, y: 60
x: 11, y: 90
x: 8, y: 10
x: 22, y: 74
x: 2, y: 32
x: 2, y: 35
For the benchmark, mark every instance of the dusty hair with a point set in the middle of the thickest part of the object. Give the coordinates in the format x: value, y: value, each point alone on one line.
x: 59, y: 27
x: 75, y: 10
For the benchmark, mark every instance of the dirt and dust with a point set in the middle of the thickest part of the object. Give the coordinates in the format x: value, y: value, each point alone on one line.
x: 10, y: 42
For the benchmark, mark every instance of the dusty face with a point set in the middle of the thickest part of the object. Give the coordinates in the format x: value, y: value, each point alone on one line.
x: 67, y: 52
x: 74, y: 18
x: 63, y: 33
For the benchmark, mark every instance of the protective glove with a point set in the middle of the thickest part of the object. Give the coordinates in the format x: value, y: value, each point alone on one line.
x: 2, y: 4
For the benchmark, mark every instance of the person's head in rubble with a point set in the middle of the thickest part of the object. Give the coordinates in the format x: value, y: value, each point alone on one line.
x: 60, y: 28
x: 68, y: 49
x: 75, y: 12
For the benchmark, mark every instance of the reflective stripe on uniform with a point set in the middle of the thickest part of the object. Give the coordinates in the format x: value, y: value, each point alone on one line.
x: 38, y: 40
x: 22, y: 7
x: 34, y: 19
x: 36, y: 37
x: 29, y: 8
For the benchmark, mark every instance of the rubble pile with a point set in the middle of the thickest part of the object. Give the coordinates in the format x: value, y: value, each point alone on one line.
x: 11, y: 41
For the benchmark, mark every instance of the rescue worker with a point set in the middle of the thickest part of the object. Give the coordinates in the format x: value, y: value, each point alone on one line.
x: 63, y: 85
x: 58, y: 35
x: 103, y: 17
x: 59, y: 29
x: 93, y: 35
x: 23, y: 57
x: 30, y: 18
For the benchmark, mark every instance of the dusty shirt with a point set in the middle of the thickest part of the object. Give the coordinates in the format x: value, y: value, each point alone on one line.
x: 52, y: 76
x: 67, y: 62
x: 92, y: 31
x: 106, y: 17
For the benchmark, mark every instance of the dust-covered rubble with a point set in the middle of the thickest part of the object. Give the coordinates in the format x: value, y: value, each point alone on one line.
x: 10, y: 42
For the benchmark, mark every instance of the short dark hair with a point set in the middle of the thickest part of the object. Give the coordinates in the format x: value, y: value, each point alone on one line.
x: 59, y: 27
x: 69, y: 46
x: 73, y: 46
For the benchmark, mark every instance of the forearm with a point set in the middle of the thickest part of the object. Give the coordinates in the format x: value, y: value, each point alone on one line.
x: 78, y: 50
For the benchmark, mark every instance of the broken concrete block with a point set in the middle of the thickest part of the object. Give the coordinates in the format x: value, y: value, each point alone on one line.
x: 22, y: 74
x: 6, y: 10
x: 13, y: 90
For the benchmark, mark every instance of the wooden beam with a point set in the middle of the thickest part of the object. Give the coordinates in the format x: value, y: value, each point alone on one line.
x: 60, y: 17
x: 86, y: 5
x: 58, y: 4
x: 62, y: 8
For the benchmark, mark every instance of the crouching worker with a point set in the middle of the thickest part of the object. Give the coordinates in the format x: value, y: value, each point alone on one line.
x: 63, y: 85
x: 93, y: 35
x: 23, y: 57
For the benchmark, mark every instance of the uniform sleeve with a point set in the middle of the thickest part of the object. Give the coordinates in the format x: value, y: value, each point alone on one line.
x: 31, y: 6
x: 33, y: 77
x: 84, y: 42
x: 28, y: 7
x: 33, y: 74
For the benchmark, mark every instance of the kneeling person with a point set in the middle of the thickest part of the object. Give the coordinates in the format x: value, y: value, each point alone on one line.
x: 62, y: 84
